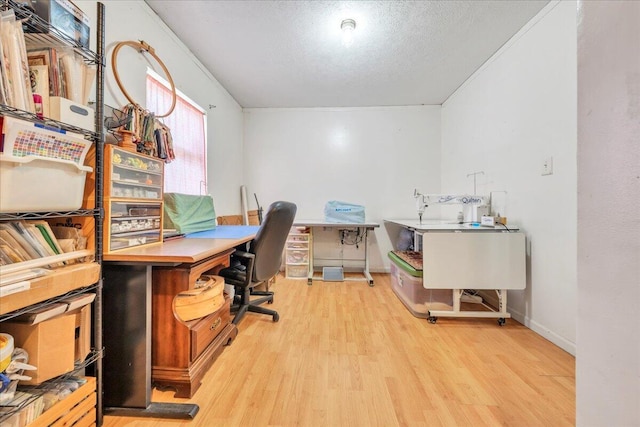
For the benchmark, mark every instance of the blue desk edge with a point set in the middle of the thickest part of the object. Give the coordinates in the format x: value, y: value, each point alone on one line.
x: 225, y: 232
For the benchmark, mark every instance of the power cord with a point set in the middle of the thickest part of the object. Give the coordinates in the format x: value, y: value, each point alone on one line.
x: 505, y: 226
x: 351, y: 237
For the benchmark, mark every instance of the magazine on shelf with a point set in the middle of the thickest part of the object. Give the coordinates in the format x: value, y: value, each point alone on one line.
x: 28, y: 240
x: 18, y: 242
x: 15, y: 249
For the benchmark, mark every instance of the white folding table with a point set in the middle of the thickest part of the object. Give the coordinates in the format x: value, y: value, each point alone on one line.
x: 464, y: 256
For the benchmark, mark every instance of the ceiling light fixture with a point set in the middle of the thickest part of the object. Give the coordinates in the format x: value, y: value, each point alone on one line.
x: 348, y: 26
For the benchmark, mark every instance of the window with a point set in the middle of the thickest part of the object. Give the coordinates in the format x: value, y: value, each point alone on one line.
x: 188, y: 172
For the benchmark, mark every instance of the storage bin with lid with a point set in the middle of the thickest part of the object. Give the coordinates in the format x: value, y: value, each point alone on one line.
x: 31, y: 184
x: 406, y: 283
x: 41, y: 167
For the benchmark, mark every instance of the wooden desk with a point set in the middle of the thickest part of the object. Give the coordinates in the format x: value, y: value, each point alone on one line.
x: 143, y: 340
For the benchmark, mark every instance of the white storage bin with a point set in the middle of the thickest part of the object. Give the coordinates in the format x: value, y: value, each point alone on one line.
x: 297, y: 271
x: 415, y: 297
x: 295, y: 237
x: 67, y: 111
x: 32, y: 184
x: 297, y: 256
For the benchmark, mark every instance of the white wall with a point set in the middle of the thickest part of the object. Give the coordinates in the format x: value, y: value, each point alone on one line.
x: 608, y: 360
x: 134, y: 20
x: 518, y: 109
x: 369, y: 156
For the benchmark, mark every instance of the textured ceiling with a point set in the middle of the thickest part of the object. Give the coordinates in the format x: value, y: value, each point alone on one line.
x: 290, y: 53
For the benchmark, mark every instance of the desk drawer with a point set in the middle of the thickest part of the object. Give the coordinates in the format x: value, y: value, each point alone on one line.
x: 207, y: 329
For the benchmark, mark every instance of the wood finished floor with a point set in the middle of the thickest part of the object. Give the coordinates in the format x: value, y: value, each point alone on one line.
x: 346, y: 354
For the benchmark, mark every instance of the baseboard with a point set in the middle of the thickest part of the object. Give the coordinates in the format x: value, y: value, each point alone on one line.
x: 491, y: 298
x: 563, y: 343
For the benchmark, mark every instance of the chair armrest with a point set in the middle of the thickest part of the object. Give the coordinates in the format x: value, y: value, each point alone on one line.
x: 242, y: 254
x: 247, y: 259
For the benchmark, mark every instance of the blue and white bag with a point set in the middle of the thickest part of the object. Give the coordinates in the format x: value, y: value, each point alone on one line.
x: 342, y: 212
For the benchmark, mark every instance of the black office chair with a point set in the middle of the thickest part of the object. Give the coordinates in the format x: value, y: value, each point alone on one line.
x: 260, y: 262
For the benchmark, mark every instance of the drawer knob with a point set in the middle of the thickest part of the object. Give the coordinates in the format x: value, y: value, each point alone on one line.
x: 215, y: 324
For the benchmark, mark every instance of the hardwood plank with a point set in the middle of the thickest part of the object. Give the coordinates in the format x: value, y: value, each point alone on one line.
x: 344, y: 353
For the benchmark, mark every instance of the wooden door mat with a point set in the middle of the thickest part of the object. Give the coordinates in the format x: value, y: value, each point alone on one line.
x: 413, y: 258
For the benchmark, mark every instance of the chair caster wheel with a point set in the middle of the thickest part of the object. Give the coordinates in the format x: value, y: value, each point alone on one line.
x: 276, y: 317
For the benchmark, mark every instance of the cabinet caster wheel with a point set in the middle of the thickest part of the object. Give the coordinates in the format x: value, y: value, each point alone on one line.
x: 309, y: 281
x: 502, y: 321
x: 432, y: 319
x: 276, y: 317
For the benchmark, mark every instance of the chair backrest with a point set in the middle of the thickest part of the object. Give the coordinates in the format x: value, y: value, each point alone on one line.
x: 271, y: 238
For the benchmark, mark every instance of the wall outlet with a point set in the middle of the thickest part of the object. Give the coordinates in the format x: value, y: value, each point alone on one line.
x: 547, y: 166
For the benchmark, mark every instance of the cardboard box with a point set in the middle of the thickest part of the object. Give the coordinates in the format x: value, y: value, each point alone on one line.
x: 50, y: 345
x: 67, y: 111
x: 64, y: 16
x: 229, y: 220
x: 82, y: 332
x: 254, y: 219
